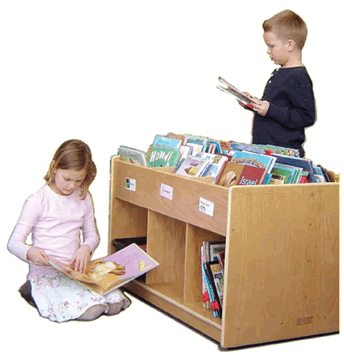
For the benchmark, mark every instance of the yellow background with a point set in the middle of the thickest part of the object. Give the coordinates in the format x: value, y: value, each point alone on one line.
x: 119, y: 72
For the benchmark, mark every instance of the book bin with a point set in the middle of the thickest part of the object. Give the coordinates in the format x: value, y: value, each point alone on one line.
x: 281, y: 260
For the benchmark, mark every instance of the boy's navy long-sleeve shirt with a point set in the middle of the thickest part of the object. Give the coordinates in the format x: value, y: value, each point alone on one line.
x: 292, y: 108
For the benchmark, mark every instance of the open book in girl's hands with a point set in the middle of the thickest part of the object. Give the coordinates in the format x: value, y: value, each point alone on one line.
x: 240, y: 96
x: 106, y: 274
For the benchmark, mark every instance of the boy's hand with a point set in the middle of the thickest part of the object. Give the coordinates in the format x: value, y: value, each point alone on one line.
x: 261, y: 107
x: 81, y: 258
x: 37, y: 256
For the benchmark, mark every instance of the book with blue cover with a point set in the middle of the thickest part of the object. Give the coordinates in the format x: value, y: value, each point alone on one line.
x: 258, y: 160
x: 305, y: 164
x: 166, y: 142
x: 292, y: 174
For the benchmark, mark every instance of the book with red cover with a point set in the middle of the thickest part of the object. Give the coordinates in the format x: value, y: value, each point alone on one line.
x: 252, y: 175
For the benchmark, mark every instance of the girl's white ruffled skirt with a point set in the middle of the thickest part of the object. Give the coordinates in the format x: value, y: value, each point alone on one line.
x: 60, y: 298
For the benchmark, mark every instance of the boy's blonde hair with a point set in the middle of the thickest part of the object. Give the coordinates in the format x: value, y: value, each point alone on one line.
x: 287, y: 25
x: 76, y: 155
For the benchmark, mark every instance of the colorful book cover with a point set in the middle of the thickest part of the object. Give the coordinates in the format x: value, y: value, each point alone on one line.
x: 230, y: 174
x: 162, y: 157
x: 195, y: 147
x: 290, y: 173
x: 198, y: 139
x: 184, y: 151
x: 166, y: 142
x: 247, y: 147
x: 214, y: 296
x: 217, y: 144
x: 252, y: 175
x: 215, y: 306
x: 191, y: 166
x: 215, y: 166
x: 305, y: 164
x: 205, y: 293
x: 218, y: 280
x: 132, y: 155
x: 258, y: 160
x: 113, y: 271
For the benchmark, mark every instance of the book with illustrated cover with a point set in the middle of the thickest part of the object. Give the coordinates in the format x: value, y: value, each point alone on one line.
x: 239, y: 95
x: 197, y: 139
x: 214, y: 166
x: 305, y: 164
x: 280, y: 150
x: 181, y: 137
x: 185, y: 150
x: 192, y: 166
x: 205, y: 292
x: 162, y: 157
x: 111, y: 272
x: 246, y: 147
x: 217, y: 281
x: 292, y: 175
x: 258, y: 160
x: 230, y: 174
x: 214, y: 146
x: 161, y: 141
x: 132, y: 155
x: 196, y: 147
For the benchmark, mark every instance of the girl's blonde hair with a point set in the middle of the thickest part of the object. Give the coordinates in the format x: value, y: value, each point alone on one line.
x: 287, y: 25
x: 76, y: 155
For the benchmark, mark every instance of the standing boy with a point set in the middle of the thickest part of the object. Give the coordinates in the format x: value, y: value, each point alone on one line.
x: 287, y: 106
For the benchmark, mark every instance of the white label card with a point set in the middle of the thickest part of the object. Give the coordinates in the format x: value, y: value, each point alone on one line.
x: 206, y: 207
x: 166, y: 191
x: 130, y: 184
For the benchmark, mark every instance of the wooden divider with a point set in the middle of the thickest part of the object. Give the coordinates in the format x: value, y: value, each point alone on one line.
x: 185, y: 204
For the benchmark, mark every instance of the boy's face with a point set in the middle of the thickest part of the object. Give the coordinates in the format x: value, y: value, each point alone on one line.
x: 278, y: 50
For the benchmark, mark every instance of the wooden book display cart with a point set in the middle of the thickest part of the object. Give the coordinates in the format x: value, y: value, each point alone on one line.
x: 281, y: 260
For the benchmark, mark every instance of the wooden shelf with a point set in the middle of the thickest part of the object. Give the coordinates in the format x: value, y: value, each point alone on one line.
x: 282, y: 252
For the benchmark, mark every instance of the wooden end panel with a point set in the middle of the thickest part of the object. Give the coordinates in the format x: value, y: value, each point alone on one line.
x: 282, y: 263
x: 185, y: 202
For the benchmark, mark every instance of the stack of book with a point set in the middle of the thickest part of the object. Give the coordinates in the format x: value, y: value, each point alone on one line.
x: 228, y: 163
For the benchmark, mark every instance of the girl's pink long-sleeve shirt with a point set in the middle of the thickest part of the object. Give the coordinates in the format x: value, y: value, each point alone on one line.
x: 55, y: 222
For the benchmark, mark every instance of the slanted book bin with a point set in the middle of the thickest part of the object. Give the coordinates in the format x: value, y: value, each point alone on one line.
x: 281, y: 261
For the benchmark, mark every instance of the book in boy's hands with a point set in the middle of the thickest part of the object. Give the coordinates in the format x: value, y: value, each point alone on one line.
x: 240, y: 96
x: 111, y: 272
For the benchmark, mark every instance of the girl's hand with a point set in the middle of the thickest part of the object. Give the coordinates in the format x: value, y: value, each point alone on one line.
x: 261, y: 107
x: 81, y: 258
x: 38, y: 256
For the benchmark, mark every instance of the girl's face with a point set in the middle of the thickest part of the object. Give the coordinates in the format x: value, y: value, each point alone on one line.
x: 67, y: 181
x: 278, y: 50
